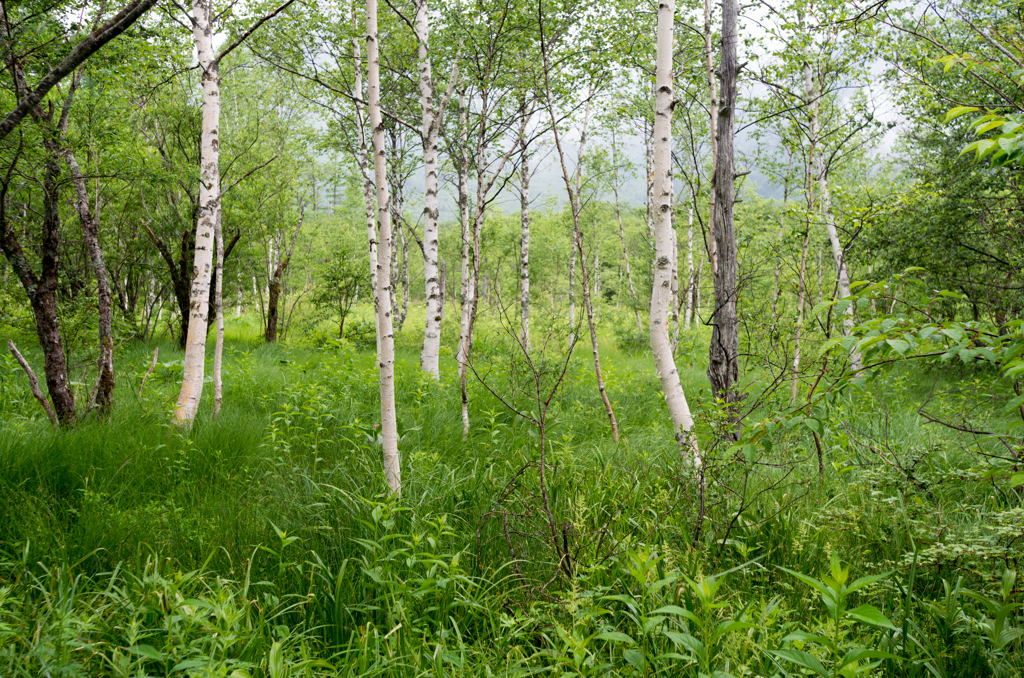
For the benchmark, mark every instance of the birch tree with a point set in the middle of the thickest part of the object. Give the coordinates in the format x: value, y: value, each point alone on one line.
x: 661, y: 345
x: 386, y: 338
x: 209, y: 204
x: 573, y: 186
x: 430, y: 127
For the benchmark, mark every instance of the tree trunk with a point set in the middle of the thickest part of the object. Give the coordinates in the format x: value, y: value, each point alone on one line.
x: 688, y: 300
x: 661, y: 347
x: 723, y: 371
x: 572, y: 283
x: 674, y: 309
x: 218, y: 346
x: 209, y: 211
x: 466, y: 298
x: 524, y: 243
x: 577, y: 233
x: 776, y: 289
x: 838, y: 254
x: 104, y: 395
x: 622, y: 237
x: 42, y: 289
x: 802, y: 282
x: 274, y: 301
x: 709, y: 68
x: 388, y: 418
x: 431, y: 125
x: 801, y: 300
x: 364, y: 170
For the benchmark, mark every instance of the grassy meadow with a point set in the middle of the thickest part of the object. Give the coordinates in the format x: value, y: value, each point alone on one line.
x: 263, y: 542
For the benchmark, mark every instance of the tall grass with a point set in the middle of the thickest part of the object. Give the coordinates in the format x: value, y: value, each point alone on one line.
x: 263, y: 542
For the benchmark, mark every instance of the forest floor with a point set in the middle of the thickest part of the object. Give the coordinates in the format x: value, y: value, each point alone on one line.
x: 263, y: 543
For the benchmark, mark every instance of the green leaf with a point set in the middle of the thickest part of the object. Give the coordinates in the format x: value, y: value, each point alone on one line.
x: 898, y: 345
x: 810, y: 581
x: 1017, y: 479
x: 857, y: 654
x: 820, y: 306
x: 635, y: 659
x: 804, y: 659
x: 670, y: 609
x: 616, y: 637
x: 870, y: 614
x: 148, y: 651
x: 686, y: 640
x: 276, y: 661
x: 813, y: 425
x: 864, y: 581
x: 960, y: 110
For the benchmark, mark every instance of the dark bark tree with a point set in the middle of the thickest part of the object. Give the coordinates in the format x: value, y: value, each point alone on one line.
x: 723, y: 370
x: 41, y: 288
x: 274, y: 288
x: 30, y: 99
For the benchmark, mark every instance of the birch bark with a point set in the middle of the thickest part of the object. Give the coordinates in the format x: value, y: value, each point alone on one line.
x: 218, y: 347
x: 688, y: 301
x: 466, y: 300
x: 661, y: 346
x: 208, y: 214
x: 838, y: 254
x: 802, y: 282
x: 431, y: 125
x: 709, y: 68
x: 364, y: 169
x: 524, y: 243
x: 388, y: 419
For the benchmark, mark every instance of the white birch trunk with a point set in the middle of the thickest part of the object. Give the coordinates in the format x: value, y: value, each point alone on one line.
x: 572, y: 286
x: 709, y: 68
x: 218, y: 347
x: 431, y: 125
x: 664, y: 363
x: 802, y: 282
x: 688, y: 301
x: 466, y: 302
x: 801, y: 300
x: 364, y: 169
x: 674, y: 310
x: 238, y: 300
x: 206, y: 223
x: 388, y: 419
x: 524, y: 245
x: 838, y: 254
